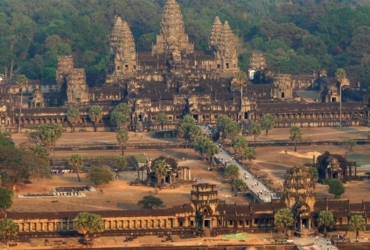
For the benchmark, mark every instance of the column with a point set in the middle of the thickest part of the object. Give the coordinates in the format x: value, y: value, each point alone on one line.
x: 189, y: 174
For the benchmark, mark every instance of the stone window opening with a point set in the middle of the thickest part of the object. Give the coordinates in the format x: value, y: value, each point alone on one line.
x: 227, y: 65
x: 230, y: 222
x: 282, y: 95
x: 118, y: 68
x: 126, y: 67
x: 333, y: 99
x: 218, y: 66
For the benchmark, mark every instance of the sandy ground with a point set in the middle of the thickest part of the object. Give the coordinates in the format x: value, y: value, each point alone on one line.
x: 310, y: 134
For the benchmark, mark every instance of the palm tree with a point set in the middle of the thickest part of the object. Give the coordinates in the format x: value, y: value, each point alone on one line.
x: 160, y: 170
x: 76, y: 162
x: 239, y: 144
x: 8, y: 229
x: 73, y: 117
x: 295, y: 135
x: 232, y: 172
x: 22, y: 82
x: 357, y: 223
x: 255, y: 130
x: 325, y: 220
x: 89, y: 224
x: 122, y: 138
x: 267, y: 122
x: 284, y: 219
x: 239, y: 184
x: 340, y: 75
x: 95, y: 114
x: 200, y: 144
x: 161, y: 119
x: 212, y: 150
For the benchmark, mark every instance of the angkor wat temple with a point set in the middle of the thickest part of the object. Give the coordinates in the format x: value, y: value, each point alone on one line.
x: 177, y: 79
x: 206, y: 214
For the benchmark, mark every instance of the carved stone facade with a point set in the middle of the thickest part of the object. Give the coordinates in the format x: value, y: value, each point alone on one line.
x: 172, y: 40
x: 123, y: 52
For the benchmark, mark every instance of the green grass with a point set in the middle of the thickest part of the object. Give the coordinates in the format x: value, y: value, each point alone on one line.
x: 359, y: 159
x: 237, y: 236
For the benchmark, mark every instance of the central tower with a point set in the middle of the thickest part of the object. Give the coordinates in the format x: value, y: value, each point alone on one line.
x: 172, y: 39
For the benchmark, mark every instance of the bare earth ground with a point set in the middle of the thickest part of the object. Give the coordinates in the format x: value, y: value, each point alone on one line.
x: 314, y: 134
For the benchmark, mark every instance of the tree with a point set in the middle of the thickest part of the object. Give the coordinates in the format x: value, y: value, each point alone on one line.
x: 6, y: 139
x: 150, y: 202
x: 212, y: 150
x: 295, y: 135
x: 22, y: 83
x: 46, y: 135
x: 223, y: 122
x: 201, y: 144
x: 160, y: 170
x: 42, y: 153
x: 122, y: 138
x: 120, y: 163
x: 8, y: 229
x: 340, y: 75
x: 356, y: 224
x: 73, y: 117
x: 239, y: 144
x: 240, y: 185
x: 267, y: 122
x: 284, y: 219
x: 95, y: 114
x: 18, y: 166
x: 336, y: 187
x: 89, y: 224
x: 232, y: 130
x: 77, y: 164
x: 241, y: 79
x: 255, y: 130
x: 120, y: 115
x: 315, y: 173
x: 100, y: 175
x: 250, y: 154
x: 6, y: 196
x: 350, y: 144
x: 189, y: 131
x: 325, y: 220
x: 232, y: 172
x: 161, y: 119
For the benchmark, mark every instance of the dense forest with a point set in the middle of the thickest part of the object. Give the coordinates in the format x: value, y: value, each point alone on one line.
x: 297, y: 36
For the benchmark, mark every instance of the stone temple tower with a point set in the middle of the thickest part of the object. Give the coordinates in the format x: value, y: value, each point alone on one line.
x: 172, y: 38
x: 204, y: 201
x: 123, y: 52
x: 65, y: 65
x: 215, y: 33
x: 226, y: 54
x: 299, y: 194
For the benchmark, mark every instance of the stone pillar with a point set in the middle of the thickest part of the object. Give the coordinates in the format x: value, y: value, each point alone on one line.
x: 356, y: 170
x: 189, y: 174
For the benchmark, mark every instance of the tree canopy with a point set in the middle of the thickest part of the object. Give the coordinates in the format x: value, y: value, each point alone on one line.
x: 100, y: 175
x: 76, y: 162
x: 89, y: 224
x: 296, y: 36
x: 284, y: 219
x: 232, y: 172
x: 336, y: 187
x: 150, y: 202
x: 6, y: 196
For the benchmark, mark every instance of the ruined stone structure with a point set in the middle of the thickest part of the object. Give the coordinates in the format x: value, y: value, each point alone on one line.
x: 334, y: 166
x: 176, y: 79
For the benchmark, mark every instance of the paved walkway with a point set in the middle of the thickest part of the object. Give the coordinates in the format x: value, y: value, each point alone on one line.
x: 320, y: 244
x: 254, y: 185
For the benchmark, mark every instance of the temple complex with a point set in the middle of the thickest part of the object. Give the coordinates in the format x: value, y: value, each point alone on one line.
x: 176, y: 79
x: 206, y: 214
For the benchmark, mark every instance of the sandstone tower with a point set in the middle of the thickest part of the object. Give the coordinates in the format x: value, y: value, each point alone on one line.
x: 77, y: 90
x: 299, y: 194
x: 226, y: 54
x: 204, y: 201
x: 123, y: 52
x: 65, y: 65
x: 172, y: 38
x: 215, y: 33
